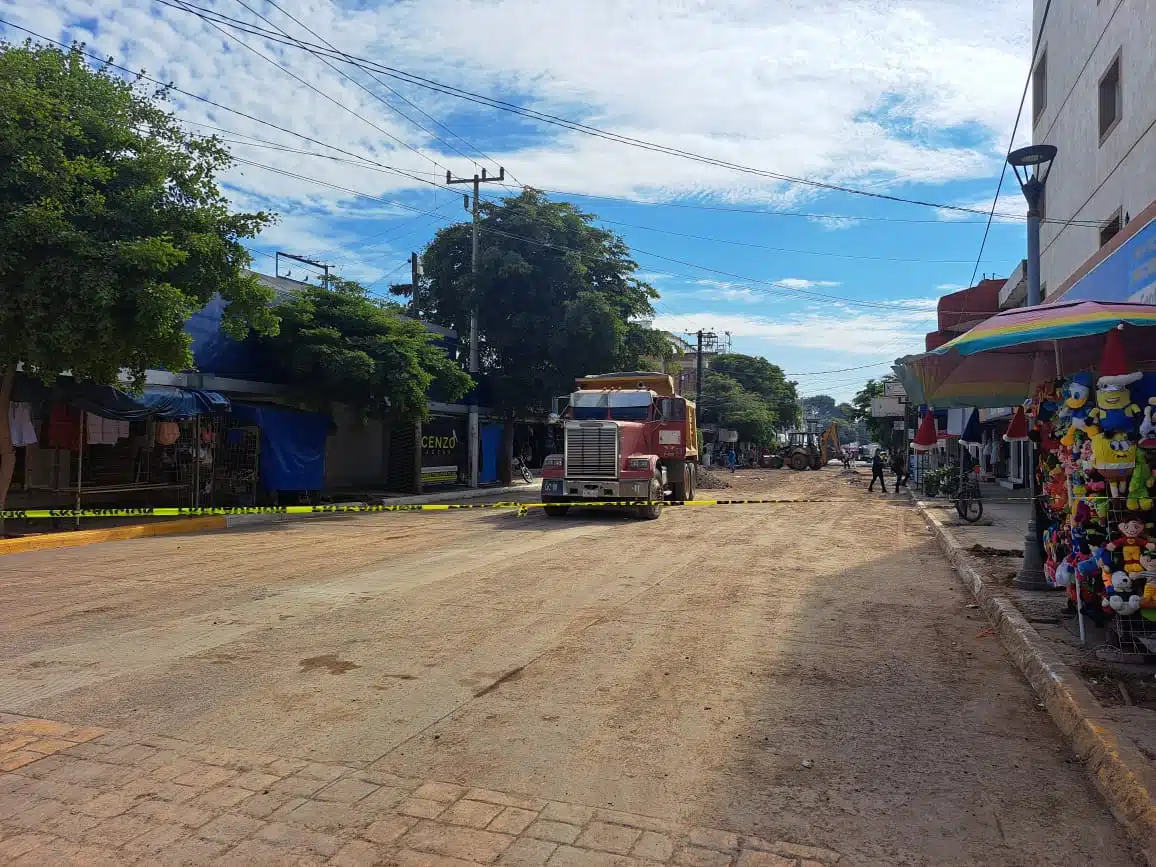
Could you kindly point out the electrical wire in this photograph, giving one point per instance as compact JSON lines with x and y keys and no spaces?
{"x":179,"y":4}
{"x":450,"y":90}
{"x":1011,"y":142}
{"x":348,"y":77}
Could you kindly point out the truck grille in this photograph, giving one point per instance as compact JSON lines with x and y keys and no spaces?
{"x":592,"y":452}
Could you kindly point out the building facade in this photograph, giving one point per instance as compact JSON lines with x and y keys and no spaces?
{"x":1093,"y":98}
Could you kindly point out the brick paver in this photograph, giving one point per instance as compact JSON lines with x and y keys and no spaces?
{"x":83,"y":795}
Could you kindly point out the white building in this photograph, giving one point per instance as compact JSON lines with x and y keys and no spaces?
{"x":1094,"y":98}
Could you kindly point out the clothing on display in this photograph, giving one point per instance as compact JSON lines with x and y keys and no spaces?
{"x":64,"y":428}
{"x":167,"y":433}
{"x":104,"y":431}
{"x":20,"y":424}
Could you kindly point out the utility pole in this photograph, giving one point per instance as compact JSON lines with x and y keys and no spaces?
{"x":476,"y":180}
{"x":414,"y":276}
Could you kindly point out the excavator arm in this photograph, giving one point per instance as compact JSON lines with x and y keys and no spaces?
{"x":829,"y":445}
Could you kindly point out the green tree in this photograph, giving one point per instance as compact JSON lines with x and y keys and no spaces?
{"x":726,"y":403}
{"x":112,"y":229}
{"x":339,"y":345}
{"x":557,"y":298}
{"x":767,"y":380}
{"x":876,"y":427}
{"x":820,"y":406}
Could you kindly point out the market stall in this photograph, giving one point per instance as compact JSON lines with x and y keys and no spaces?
{"x":1082,"y":377}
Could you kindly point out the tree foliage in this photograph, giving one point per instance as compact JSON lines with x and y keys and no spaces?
{"x":557,"y":298}
{"x":337,"y":344}
{"x":757,"y":375}
{"x":862,"y":403}
{"x":726,"y":403}
{"x":112,"y":228}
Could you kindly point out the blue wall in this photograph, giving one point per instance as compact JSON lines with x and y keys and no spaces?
{"x":1129,"y":274}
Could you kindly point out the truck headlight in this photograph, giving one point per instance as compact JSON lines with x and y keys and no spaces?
{"x":552,"y":462}
{"x":638,"y":463}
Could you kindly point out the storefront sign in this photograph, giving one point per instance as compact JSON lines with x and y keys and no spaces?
{"x":886,"y":407}
{"x":443,"y":451}
{"x":1129,"y":274}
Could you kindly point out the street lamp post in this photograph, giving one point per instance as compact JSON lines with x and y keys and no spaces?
{"x":1031,"y":166}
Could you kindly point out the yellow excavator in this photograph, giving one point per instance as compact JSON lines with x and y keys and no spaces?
{"x":805,"y":450}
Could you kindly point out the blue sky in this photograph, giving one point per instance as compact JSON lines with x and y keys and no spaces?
{"x":914,"y":98}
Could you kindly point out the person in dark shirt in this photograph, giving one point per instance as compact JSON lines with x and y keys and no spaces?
{"x":877,"y":472}
{"x":899,"y":467}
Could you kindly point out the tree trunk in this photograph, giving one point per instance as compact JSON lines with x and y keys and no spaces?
{"x":7,"y":451}
{"x":506,"y":461}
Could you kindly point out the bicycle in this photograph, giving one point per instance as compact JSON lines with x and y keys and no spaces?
{"x":969,"y":503}
{"x":520,"y":467}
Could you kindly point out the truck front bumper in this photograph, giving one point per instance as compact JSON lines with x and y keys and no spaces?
{"x":590,"y":490}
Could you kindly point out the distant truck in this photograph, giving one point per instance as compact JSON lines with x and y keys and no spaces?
{"x":628,"y":436}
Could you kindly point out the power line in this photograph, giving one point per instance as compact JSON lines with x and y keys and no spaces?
{"x":449,"y":90}
{"x":182,"y":6}
{"x":348,"y":77}
{"x":779,"y":249}
{"x":1010,"y":143}
{"x":369,"y":162}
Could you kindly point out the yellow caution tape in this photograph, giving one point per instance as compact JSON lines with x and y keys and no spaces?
{"x":520,"y":507}
{"x":182,"y":512}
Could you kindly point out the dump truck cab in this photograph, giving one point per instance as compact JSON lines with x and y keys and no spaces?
{"x":627,"y":436}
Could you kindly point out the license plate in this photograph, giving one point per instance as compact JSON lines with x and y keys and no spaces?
{"x":551,"y":486}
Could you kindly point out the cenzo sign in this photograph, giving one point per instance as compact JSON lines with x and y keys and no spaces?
{"x":443,"y":453}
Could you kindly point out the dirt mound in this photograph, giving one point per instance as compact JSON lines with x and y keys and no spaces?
{"x":708,"y":480}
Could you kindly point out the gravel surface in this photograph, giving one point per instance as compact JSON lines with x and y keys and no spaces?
{"x":805,"y":672}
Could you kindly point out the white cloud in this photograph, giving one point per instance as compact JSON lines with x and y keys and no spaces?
{"x":788,"y":86}
{"x":854,"y":331}
{"x":834,"y":224}
{"x":799,"y":283}
{"x":1011,"y":208}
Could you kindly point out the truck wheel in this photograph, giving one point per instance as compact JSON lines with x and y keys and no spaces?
{"x":556,"y":511}
{"x":652,"y":511}
{"x":799,"y":461}
{"x":692,"y":481}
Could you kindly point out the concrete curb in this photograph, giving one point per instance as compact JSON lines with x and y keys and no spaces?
{"x":420,"y":499}
{"x":49,"y":541}
{"x":1116,"y":765}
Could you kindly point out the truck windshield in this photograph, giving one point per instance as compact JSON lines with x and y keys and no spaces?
{"x":616,"y":405}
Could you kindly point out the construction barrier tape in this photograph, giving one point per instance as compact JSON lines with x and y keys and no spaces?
{"x":520,"y":507}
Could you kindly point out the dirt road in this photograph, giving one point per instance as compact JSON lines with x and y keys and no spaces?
{"x":802,"y":674}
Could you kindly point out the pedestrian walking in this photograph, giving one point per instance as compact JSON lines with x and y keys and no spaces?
{"x":732,"y":460}
{"x":877,"y":472}
{"x":899,"y":467}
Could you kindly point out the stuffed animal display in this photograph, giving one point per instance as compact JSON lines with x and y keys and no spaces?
{"x":1097,"y":479}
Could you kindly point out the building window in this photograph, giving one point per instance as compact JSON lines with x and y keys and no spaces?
{"x":1110,"y":99}
{"x":1110,"y":229}
{"x":1040,"y":86}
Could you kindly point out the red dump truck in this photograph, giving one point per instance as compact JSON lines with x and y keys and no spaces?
{"x":628,"y":436}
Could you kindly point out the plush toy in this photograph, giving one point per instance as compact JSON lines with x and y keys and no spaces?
{"x":1131,"y":542}
{"x":1148,"y":600}
{"x":1057,"y":488}
{"x":1148,"y":426}
{"x":1114,"y":457}
{"x":1140,"y":487}
{"x":1114,"y":409}
{"x":1120,"y":597}
{"x":1076,"y":394}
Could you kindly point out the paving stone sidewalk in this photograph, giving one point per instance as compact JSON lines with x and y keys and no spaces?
{"x":87,"y":796}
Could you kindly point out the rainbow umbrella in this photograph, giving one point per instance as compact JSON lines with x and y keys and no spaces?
{"x":998,"y":362}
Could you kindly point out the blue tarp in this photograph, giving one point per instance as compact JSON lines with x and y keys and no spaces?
{"x":110,"y":402}
{"x":292,"y":446}
{"x":492,"y":436}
